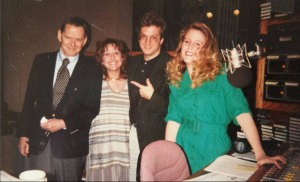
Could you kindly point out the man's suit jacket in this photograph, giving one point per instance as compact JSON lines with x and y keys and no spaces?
{"x":151,"y":113}
{"x":78,"y":106}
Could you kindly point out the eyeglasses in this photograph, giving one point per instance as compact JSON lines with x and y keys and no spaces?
{"x":153,"y":38}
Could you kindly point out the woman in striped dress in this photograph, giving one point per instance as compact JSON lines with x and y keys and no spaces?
{"x":108,"y":158}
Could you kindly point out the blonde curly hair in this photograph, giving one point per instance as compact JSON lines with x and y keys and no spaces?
{"x":206,"y":67}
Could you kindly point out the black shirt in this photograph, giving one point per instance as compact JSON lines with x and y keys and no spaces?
{"x":140,"y":75}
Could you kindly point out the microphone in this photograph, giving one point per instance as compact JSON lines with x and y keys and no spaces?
{"x":240,"y":74}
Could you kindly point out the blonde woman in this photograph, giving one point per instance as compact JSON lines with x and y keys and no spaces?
{"x":203,"y":103}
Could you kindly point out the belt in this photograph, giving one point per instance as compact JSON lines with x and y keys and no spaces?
{"x":199,"y":126}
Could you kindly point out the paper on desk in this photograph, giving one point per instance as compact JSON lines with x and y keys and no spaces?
{"x":231,"y":166}
{"x":215,"y":177}
{"x":248,"y":156}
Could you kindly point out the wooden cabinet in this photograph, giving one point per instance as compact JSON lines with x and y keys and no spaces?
{"x":259,"y":101}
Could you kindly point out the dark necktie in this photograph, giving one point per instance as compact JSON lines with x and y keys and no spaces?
{"x":61,"y":83}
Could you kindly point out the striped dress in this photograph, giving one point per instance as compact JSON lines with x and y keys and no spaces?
{"x":108,"y":158}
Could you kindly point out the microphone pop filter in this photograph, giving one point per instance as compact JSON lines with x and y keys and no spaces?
{"x":240,"y":78}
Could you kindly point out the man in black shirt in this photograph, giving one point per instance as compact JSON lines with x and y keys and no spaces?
{"x":148,"y":87}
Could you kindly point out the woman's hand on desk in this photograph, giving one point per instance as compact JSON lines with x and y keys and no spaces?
{"x":263,"y":159}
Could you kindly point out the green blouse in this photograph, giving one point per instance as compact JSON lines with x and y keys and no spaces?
{"x":204,"y":114}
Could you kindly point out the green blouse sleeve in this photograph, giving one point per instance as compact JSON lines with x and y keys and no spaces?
{"x":236,"y":102}
{"x":174,"y":113}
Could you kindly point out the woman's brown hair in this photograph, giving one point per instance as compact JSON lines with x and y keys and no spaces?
{"x":121,"y":46}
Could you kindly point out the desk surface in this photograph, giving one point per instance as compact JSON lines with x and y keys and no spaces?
{"x":257,"y":176}
{"x":259,"y":173}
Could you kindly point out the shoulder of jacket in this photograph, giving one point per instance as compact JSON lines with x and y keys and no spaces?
{"x":45,"y":56}
{"x":166,"y":56}
{"x":139,"y":56}
{"x":90,"y":65}
{"x":88,"y":60}
{"x":133,"y":59}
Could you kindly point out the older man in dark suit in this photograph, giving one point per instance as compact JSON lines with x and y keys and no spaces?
{"x":149,"y":90}
{"x":62,"y":98}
